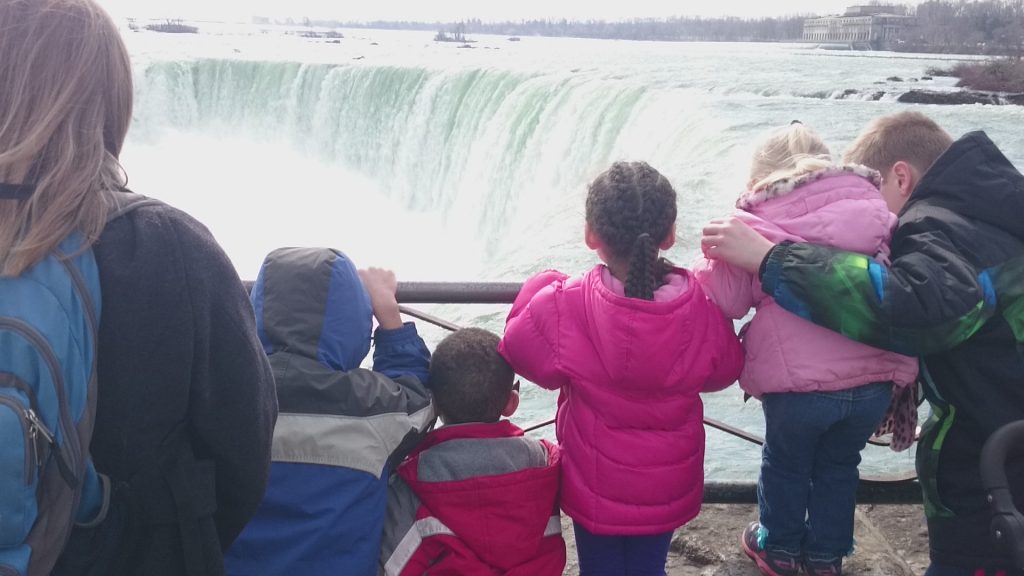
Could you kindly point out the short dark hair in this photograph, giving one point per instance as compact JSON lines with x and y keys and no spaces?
{"x":470,"y":381}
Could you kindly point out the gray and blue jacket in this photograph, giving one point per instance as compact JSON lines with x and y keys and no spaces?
{"x":341,"y":428}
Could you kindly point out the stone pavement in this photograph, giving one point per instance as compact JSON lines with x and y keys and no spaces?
{"x":890,"y":541}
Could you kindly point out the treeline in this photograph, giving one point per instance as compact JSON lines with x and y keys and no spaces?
{"x":979,"y":27}
{"x":788,"y":28}
{"x":960,"y":26}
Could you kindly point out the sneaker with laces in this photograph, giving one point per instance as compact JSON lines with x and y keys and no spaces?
{"x":828,"y":566}
{"x":769,"y":562}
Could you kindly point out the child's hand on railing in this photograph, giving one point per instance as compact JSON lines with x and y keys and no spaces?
{"x":381,"y":285}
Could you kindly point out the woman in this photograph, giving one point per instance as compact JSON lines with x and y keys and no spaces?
{"x":186,"y":405}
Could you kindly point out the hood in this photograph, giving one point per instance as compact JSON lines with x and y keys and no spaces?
{"x":839,"y":207}
{"x":496,"y":504}
{"x":310,"y":302}
{"x":629,"y":336}
{"x":974,"y":179}
{"x":785,"y":186}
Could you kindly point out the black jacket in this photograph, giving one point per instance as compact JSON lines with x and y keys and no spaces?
{"x":972,"y":198}
{"x":965,"y":216}
{"x":186,"y":403}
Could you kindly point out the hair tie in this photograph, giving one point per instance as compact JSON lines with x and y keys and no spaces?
{"x":795,"y":122}
{"x":16,"y":191}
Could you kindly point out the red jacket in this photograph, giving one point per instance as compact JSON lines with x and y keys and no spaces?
{"x":475,"y":499}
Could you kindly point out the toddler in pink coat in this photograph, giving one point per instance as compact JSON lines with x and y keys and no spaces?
{"x":630,"y":346}
{"x":823,"y":394}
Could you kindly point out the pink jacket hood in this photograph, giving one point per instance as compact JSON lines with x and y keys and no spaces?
{"x":629,"y":414}
{"x":839,"y":207}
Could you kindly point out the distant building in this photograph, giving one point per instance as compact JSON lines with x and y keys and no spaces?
{"x":873,"y":27}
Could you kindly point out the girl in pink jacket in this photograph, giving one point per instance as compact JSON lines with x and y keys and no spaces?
{"x":630,"y":345}
{"x":823,"y":395}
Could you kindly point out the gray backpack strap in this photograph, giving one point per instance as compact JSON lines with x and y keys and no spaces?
{"x":125,"y":202}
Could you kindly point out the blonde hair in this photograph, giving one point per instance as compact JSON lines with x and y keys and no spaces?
{"x":65,"y":106}
{"x":908,"y":136}
{"x":788,"y":152}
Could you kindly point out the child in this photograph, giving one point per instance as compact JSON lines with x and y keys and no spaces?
{"x":959,"y":205}
{"x":630,"y":345}
{"x":823,"y":395}
{"x":341,"y":427}
{"x":476,"y":497}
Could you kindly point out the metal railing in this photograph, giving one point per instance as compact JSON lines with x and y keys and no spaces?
{"x":895,"y":488}
{"x":901,"y":488}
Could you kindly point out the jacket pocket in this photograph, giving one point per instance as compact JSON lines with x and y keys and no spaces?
{"x":18,"y":464}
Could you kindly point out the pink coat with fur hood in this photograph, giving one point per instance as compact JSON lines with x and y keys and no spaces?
{"x":839,"y":207}
{"x":630,"y":417}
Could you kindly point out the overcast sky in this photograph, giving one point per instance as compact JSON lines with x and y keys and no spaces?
{"x":449,"y":10}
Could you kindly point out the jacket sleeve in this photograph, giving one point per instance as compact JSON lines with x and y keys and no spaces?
{"x":400,"y":543}
{"x":931,"y":299}
{"x":414,"y":546}
{"x":1008,"y":284}
{"x":401,"y":352}
{"x":401,"y":364}
{"x":727,"y":356}
{"x":232,"y":402}
{"x":530,"y":342}
{"x":730,"y":288}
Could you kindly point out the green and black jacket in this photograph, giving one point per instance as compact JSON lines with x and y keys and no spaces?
{"x":953,"y":295}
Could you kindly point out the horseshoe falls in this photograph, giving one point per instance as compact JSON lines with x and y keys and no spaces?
{"x":449,"y":163}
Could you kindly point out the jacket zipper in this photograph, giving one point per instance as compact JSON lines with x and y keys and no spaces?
{"x":38,"y":428}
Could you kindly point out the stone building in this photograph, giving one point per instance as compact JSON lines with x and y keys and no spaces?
{"x":863,"y":27}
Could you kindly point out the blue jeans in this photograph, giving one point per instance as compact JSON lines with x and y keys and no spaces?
{"x":808,"y":484}
{"x":621,"y":555}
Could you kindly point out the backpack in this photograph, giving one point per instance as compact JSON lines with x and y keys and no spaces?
{"x":49,"y":317}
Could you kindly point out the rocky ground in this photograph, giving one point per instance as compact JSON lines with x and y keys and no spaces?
{"x":891,"y":540}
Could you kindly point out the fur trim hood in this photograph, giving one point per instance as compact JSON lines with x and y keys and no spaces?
{"x":782,"y":187}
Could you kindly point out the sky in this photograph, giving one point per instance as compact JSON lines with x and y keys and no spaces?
{"x":454,"y":10}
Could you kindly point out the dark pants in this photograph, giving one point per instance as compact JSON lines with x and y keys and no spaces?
{"x":621,"y":555}
{"x":808,"y":484}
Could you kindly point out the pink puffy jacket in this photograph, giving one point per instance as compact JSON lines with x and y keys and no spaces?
{"x":839,"y":207}
{"x":630,"y":417}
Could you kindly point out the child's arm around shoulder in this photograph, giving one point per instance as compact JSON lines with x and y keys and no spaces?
{"x":530,"y":342}
{"x":398,"y":348}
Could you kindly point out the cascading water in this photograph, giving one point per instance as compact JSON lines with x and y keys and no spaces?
{"x":491,"y":151}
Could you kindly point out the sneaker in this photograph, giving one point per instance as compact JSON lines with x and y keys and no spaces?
{"x":824,"y":566}
{"x":769,"y":562}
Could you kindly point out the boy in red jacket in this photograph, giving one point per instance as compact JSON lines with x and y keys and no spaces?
{"x":476,"y":497}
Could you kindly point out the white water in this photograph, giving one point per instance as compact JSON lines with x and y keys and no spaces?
{"x":460,"y":164}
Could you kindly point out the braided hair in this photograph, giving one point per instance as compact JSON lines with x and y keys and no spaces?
{"x":632,"y":207}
